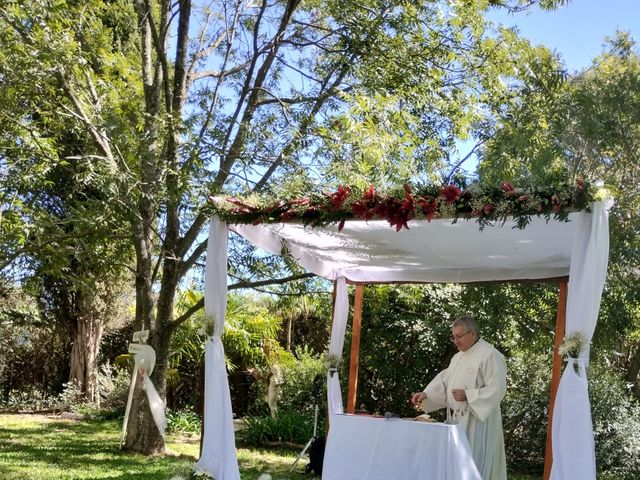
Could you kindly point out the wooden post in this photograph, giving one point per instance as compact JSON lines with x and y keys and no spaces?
{"x":561,"y":317}
{"x":355,"y":349}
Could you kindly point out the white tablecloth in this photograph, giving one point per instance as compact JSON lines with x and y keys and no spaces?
{"x":367,"y":448}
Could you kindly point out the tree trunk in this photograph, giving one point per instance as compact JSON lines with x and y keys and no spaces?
{"x":142,"y":434}
{"x":289,"y":334}
{"x":87,"y":335}
{"x":632,"y":373}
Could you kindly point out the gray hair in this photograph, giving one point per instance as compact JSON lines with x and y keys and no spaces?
{"x":468,"y":322}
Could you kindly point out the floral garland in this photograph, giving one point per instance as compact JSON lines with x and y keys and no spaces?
{"x":486,"y":203}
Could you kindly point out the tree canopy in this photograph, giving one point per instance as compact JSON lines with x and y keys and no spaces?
{"x":121,"y":117}
{"x":587,"y":125}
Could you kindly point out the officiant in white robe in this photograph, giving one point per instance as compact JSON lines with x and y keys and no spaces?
{"x":471,"y":389}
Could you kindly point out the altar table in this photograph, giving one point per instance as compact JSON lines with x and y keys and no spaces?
{"x":369,"y":448}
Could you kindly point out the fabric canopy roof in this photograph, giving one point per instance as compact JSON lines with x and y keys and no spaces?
{"x":437,"y":251}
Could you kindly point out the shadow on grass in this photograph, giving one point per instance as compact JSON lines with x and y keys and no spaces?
{"x":48,"y":449}
{"x":44,"y":448}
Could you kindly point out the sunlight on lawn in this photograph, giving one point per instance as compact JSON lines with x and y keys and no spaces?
{"x":37,"y":447}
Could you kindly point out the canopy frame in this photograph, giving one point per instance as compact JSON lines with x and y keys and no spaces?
{"x":587,"y":250}
{"x":354,"y":358}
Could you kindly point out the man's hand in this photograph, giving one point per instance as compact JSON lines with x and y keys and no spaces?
{"x":418,"y":397}
{"x":459,"y":395}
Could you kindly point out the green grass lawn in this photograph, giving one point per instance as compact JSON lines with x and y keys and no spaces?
{"x":35,"y":447}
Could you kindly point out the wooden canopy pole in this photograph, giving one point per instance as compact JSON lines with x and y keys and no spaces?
{"x":561,"y":317}
{"x":355,"y":349}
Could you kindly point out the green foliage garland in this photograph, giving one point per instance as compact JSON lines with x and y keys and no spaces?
{"x":488,"y":204}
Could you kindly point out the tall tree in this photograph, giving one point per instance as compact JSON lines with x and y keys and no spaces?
{"x":182,"y":100}
{"x":58,"y":231}
{"x":587,"y":126}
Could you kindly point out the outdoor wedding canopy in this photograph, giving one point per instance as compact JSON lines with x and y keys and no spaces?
{"x":427,"y":250}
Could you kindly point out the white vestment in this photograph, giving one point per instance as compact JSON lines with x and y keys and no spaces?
{"x":482,"y":372}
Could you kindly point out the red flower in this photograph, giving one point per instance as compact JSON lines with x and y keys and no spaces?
{"x":555,"y":203}
{"x":450,"y":193}
{"x":339,"y":197}
{"x":509,"y":190}
{"x":300,"y":201}
{"x":580,"y":184}
{"x":311,"y":211}
{"x":287,"y":215}
{"x":407,"y":203}
{"x":276,"y":206}
{"x":429,"y":205}
{"x":399,"y":212}
{"x":288,"y":208}
{"x":243,"y":207}
{"x":523,"y":198}
{"x":488,"y":208}
{"x":369,"y":206}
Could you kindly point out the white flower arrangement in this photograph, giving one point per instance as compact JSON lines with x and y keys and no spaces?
{"x":208,"y":326}
{"x":572,"y":345}
{"x":332,"y":361}
{"x":197,"y":474}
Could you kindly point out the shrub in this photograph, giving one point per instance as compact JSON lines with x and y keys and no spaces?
{"x":615,"y":416}
{"x":113,"y":384}
{"x":525,"y":411}
{"x":28,"y":399}
{"x":291,"y":427}
{"x":305,"y":383}
{"x":33,"y":358}
{"x":70,"y":397}
{"x":184,"y":422}
{"x":404,"y":344}
{"x":616,"y":424}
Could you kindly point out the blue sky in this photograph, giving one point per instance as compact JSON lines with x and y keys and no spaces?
{"x":578,"y":30}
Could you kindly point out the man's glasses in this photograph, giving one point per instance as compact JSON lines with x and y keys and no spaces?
{"x":459,"y":337}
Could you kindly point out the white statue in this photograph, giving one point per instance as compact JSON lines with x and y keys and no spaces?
{"x":275,"y":381}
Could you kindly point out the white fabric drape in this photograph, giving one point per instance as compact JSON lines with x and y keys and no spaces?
{"x":218,"y":443}
{"x":155,"y":404}
{"x":340,"y":316}
{"x":573,"y":445}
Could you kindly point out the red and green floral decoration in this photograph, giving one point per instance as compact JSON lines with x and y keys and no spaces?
{"x":488,"y":204}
